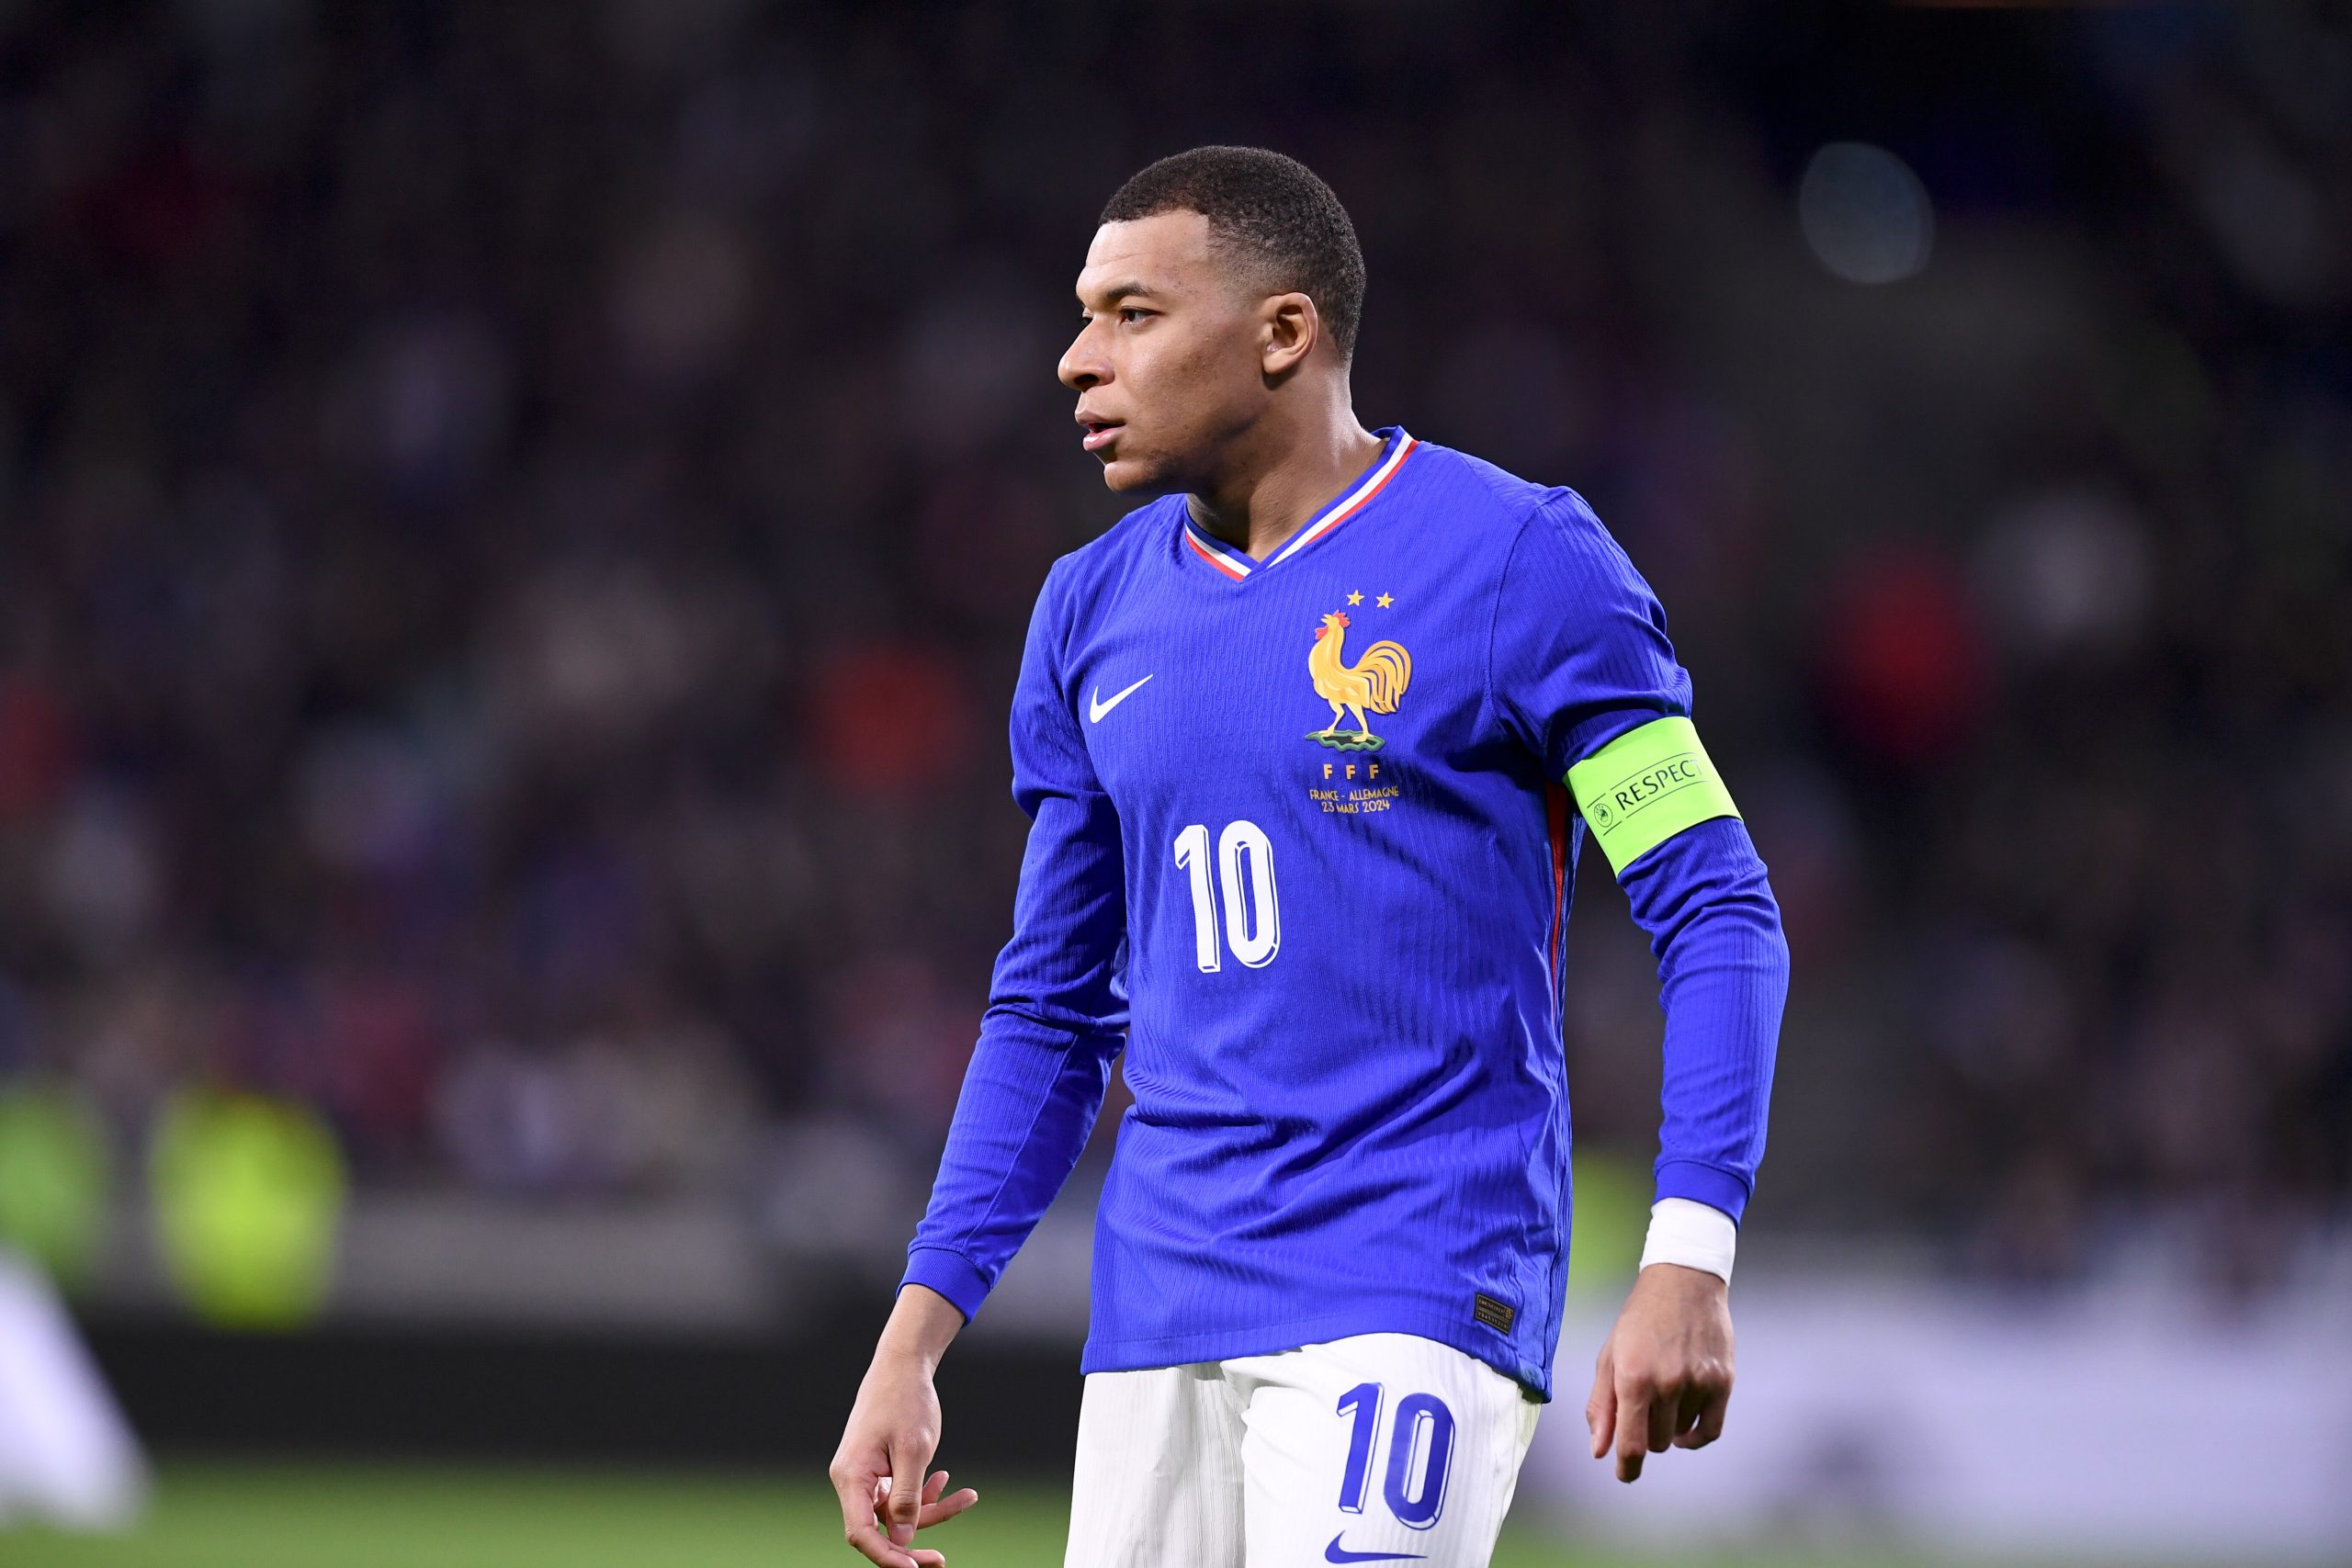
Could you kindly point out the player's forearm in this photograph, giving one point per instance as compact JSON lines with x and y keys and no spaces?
{"x":1723,"y":977}
{"x":1030,"y":1098}
{"x":1043,"y":1062}
{"x":921,"y":1326}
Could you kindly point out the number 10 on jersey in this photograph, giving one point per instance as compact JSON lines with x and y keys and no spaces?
{"x":1245,"y":870}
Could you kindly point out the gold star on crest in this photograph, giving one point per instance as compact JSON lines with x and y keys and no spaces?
{"x":1385,"y":600}
{"x":1355,"y":598}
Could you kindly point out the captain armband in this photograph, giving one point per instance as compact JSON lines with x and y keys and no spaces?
{"x":1646,"y":786}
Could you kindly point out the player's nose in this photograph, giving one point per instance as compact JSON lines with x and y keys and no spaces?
{"x":1082,"y":365}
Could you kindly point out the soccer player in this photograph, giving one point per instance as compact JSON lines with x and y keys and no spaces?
{"x":1310,"y":744}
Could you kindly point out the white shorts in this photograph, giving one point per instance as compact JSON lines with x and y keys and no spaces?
{"x":1378,"y":1448}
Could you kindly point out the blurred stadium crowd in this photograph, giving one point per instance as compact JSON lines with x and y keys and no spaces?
{"x":516,"y":525}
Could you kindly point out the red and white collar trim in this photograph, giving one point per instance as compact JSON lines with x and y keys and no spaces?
{"x":1237,"y":566}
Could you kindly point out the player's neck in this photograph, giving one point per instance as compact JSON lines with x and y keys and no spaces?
{"x":1283,"y":475}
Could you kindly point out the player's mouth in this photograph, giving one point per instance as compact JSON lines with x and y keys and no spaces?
{"x":1099,"y":432}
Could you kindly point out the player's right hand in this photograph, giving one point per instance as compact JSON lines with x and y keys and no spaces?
{"x":878,"y":1471}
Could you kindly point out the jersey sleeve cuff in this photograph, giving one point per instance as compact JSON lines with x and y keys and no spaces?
{"x":1703,"y":1184}
{"x":1693,"y":1235}
{"x":951,"y":1274}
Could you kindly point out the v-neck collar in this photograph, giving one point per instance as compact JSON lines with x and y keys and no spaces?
{"x":1215,"y":553}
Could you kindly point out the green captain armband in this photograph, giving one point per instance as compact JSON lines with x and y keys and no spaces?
{"x":1646,"y":786}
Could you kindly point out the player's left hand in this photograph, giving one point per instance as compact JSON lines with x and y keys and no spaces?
{"x":1664,"y":1377}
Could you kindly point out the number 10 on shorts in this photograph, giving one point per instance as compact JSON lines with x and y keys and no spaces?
{"x":1420,"y":1452}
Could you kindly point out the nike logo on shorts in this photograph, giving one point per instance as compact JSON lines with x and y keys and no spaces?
{"x":1096,"y":707}
{"x":1335,"y":1552}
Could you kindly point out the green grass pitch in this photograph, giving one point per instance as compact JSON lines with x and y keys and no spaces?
{"x":286,"y":1517}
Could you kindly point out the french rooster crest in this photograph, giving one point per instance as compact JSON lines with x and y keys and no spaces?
{"x":1373,"y":684}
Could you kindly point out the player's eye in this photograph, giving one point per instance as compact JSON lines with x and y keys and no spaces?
{"x":1131,"y":312}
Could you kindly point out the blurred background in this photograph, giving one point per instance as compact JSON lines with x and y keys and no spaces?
{"x":516,"y":523}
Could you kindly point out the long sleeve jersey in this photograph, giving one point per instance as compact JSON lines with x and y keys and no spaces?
{"x":1303,"y":835}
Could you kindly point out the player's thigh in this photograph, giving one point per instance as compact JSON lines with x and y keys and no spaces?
{"x":1378,"y":1447}
{"x":1158,"y":1481}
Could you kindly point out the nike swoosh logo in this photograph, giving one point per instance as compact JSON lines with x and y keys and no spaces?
{"x":1335,"y":1552}
{"x":1096,"y":707}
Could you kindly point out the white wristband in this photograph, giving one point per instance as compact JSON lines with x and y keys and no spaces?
{"x":1694,"y":1234}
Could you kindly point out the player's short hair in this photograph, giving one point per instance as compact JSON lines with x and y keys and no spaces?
{"x":1270,"y":209}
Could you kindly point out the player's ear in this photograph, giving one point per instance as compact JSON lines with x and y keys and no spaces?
{"x":1291,"y":330}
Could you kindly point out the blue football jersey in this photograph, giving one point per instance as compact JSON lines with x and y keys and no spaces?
{"x":1302,"y":843}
